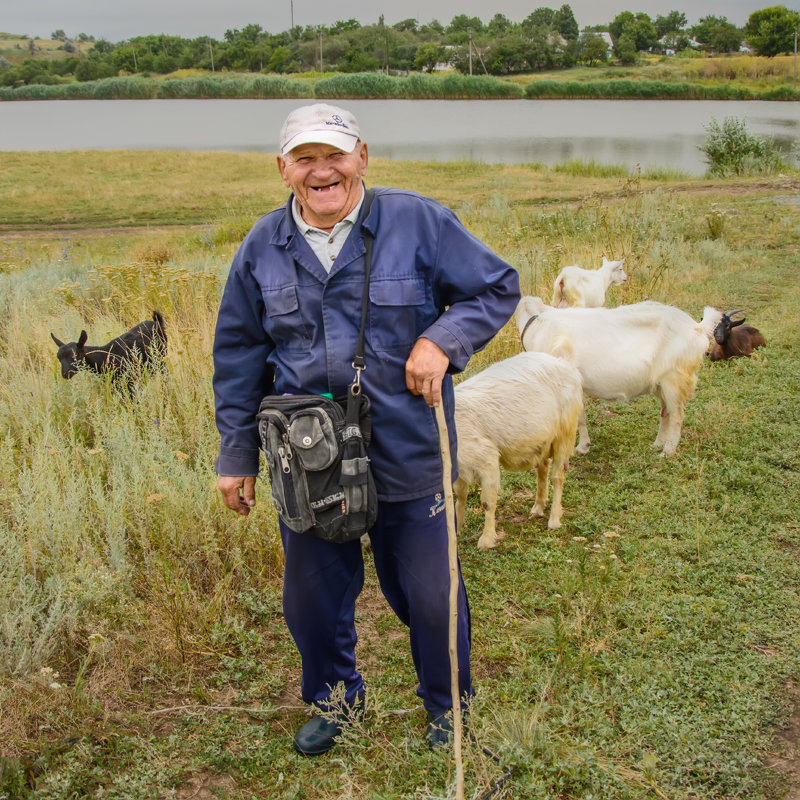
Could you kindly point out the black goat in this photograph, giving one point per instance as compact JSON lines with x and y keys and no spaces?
{"x":732,"y":338}
{"x":143,"y":346}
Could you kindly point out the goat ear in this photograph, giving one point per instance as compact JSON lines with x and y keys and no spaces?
{"x":57,"y":341}
{"x":82,"y":338}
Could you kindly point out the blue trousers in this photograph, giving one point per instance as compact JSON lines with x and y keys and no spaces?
{"x":322,"y":581}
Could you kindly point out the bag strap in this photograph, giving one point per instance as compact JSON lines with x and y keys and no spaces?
{"x":359,"y":359}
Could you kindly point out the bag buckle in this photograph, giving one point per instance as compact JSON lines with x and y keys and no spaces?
{"x":359,"y":366}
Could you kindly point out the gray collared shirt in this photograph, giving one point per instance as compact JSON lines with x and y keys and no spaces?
{"x":326,"y":245}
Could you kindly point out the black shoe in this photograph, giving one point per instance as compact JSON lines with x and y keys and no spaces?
{"x":440,"y":729}
{"x":317,"y":736}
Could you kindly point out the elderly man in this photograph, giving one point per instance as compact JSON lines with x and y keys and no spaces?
{"x":288,"y":324}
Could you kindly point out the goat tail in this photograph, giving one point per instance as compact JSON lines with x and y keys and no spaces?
{"x":711,"y":318}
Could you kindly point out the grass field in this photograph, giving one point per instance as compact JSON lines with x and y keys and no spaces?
{"x":647,"y":649}
{"x":739,"y":71}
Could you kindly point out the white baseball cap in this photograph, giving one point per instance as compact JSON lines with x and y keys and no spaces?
{"x":320,"y":124}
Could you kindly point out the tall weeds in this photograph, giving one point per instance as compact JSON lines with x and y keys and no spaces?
{"x":107,"y":497}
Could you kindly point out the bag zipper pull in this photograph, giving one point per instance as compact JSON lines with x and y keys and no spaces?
{"x":285,"y":455}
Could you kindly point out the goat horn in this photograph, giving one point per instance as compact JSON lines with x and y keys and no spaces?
{"x":731,"y":313}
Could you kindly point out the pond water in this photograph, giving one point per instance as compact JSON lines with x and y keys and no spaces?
{"x":651,"y":133}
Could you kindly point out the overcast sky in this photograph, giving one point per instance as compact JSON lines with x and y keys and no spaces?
{"x":119,"y":20}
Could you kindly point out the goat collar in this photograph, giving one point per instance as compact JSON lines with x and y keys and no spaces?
{"x":525,"y":328}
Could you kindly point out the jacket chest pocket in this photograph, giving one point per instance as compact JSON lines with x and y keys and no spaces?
{"x":397,"y":313}
{"x":283,"y":319}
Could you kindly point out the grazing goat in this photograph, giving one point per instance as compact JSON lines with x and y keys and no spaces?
{"x":732,"y":339}
{"x":143,"y":346}
{"x":586,"y":288}
{"x":624,"y":352}
{"x":519,"y":413}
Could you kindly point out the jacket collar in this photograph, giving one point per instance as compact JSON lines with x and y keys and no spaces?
{"x":288,"y":236}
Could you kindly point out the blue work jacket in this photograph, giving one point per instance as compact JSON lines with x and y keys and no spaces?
{"x":286,"y":325}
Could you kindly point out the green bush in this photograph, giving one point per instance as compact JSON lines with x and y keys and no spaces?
{"x":732,"y":150}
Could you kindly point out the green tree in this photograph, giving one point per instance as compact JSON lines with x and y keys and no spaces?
{"x":637,"y":27}
{"x":499,"y":25}
{"x":619,"y":23}
{"x":625,"y":49}
{"x":340,"y":26}
{"x":58,"y":36}
{"x":770,"y":31}
{"x":461,"y":23}
{"x":564,"y":22}
{"x":539,"y":51}
{"x":433,"y":27}
{"x":94,"y":67}
{"x":540,"y":18}
{"x":674,"y":22}
{"x":406,"y":25}
{"x":280,"y":60}
{"x":717,"y":34}
{"x":592,"y":48}
{"x":507,"y":55}
{"x":428,"y":55}
{"x":102,"y":46}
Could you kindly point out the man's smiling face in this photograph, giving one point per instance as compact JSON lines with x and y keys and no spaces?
{"x":325,"y":180}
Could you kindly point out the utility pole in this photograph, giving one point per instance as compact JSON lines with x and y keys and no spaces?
{"x":211,"y":53}
{"x":291,"y":6}
{"x":133,"y":50}
{"x":320,"y":51}
{"x":795,"y":56}
{"x":469,"y":31}
{"x":386,"y":37}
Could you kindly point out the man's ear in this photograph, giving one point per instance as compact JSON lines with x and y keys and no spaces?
{"x":282,"y":170}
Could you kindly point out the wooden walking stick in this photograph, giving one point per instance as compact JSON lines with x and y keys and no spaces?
{"x":452,"y":552}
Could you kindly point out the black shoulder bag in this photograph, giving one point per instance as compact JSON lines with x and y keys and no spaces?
{"x":316,"y":449}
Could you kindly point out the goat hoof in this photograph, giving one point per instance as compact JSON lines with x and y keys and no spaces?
{"x":583,"y":449}
{"x":554,"y":524}
{"x":487,"y":542}
{"x":537,"y":511}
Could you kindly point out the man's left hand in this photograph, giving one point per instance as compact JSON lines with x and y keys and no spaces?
{"x":425,"y":369}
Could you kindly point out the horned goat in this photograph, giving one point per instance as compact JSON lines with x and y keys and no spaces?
{"x":733,"y":339}
{"x":586,"y":288}
{"x":624,"y":352}
{"x":144,"y":345}
{"x":519,"y":413}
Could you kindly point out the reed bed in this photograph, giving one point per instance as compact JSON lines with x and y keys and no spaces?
{"x":628,"y":89}
{"x":420,"y":87}
{"x":450,"y":86}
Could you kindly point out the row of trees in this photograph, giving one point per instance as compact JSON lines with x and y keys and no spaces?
{"x":546,"y":39}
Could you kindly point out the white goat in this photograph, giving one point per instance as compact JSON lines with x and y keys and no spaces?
{"x":624,"y":352}
{"x":586,"y":288}
{"x":519,"y":413}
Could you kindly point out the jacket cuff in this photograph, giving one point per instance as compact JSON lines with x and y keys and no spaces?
{"x":237,"y":462}
{"x":451,"y":339}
